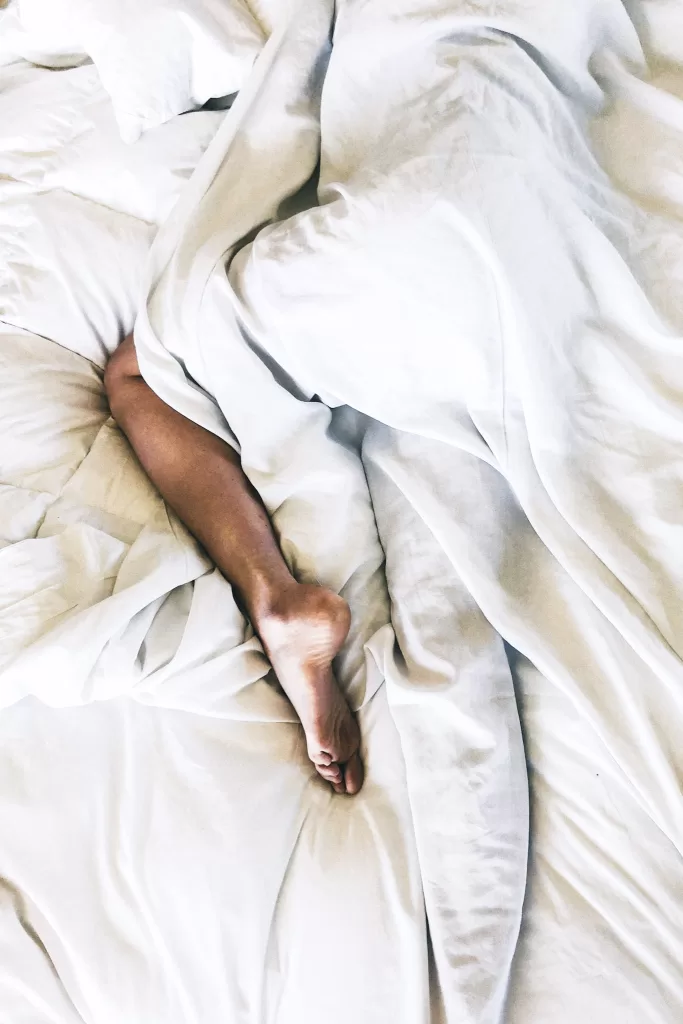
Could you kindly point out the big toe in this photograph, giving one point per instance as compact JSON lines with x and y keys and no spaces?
{"x":353,"y":774}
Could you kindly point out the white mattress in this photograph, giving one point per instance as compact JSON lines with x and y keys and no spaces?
{"x":167,"y":853}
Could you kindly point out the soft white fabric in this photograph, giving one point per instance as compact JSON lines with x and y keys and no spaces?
{"x":194,"y":867}
{"x":79,"y":208}
{"x":155,"y":59}
{"x":195,"y":862}
{"x":471,"y":281}
{"x":16,"y":44}
{"x":104,"y":592}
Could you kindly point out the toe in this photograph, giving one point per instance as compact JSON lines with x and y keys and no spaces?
{"x":338,"y":785}
{"x":334,"y":776}
{"x":321,"y":758}
{"x":353,"y":774}
{"x":332,"y":773}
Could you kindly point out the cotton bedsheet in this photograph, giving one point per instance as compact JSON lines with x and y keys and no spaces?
{"x":195,"y":861}
{"x":471,"y":280}
{"x":152,"y":861}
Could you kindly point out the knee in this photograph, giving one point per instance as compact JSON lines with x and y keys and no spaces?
{"x":120,"y":373}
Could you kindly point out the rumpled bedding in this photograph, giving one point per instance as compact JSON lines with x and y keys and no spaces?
{"x":452,"y":375}
{"x":167,"y":853}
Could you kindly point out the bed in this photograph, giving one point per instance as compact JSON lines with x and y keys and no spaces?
{"x":167,"y":852}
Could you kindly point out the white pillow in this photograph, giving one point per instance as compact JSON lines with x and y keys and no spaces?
{"x":155,"y":58}
{"x":79,"y":208}
{"x":17,"y":44}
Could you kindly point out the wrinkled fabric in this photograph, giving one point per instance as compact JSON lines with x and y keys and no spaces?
{"x":501,"y":516}
{"x":469,"y":279}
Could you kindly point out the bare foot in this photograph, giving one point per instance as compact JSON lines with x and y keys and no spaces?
{"x":301,"y":633}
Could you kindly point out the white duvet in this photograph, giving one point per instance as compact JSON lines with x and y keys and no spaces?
{"x":473,"y":282}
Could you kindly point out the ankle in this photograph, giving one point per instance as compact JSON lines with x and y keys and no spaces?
{"x":269,"y":602}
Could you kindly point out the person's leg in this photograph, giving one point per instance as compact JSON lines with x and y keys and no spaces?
{"x":302,"y":627}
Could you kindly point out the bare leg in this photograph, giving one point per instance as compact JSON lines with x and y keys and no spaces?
{"x":302,"y":627}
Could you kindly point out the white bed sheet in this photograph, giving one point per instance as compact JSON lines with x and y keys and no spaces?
{"x":189,"y":813}
{"x":157,"y":865}
{"x":546,"y":376}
